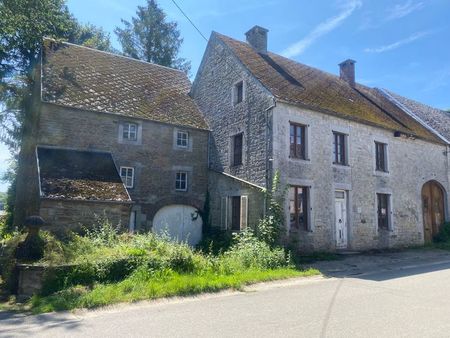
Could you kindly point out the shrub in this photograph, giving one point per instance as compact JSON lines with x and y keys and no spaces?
{"x":250,"y":252}
{"x":444,"y":234}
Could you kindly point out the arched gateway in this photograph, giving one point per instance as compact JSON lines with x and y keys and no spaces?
{"x":433,"y":209}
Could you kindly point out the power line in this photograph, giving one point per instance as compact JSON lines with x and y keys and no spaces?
{"x":185,"y":15}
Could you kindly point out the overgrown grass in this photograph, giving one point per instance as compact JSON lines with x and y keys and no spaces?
{"x":140,"y":286}
{"x":104,"y":267}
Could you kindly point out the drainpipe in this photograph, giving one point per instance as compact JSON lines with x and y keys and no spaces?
{"x":269,"y":137}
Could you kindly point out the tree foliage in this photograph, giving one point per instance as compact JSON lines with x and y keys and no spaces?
{"x":23,"y":25}
{"x":151,"y":38}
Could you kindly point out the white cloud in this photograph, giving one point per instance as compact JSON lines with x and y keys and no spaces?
{"x":322,"y":29}
{"x":395,"y":45}
{"x":399,"y":11}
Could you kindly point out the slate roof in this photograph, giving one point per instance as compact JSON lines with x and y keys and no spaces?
{"x":436,"y":118}
{"x":80,"y":175}
{"x":312,"y":88}
{"x":89,"y":79}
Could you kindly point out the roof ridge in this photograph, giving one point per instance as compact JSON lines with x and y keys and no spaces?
{"x":114,"y":54}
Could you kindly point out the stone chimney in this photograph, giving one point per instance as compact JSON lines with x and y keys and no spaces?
{"x":347,"y":71}
{"x":257,"y":38}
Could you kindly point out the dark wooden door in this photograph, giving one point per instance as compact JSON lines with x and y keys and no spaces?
{"x":433,"y":209}
{"x":236,"y":213}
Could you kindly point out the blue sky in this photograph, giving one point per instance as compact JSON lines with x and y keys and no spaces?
{"x":401,"y":45}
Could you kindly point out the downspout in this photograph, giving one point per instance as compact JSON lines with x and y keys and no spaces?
{"x":269,"y":138}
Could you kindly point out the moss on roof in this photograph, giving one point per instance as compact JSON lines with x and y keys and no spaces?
{"x":89,"y":79}
{"x":312,"y":88}
{"x":79,"y":175}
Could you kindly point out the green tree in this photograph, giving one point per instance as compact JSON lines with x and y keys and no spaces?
{"x":151,"y":38}
{"x":23,"y":24}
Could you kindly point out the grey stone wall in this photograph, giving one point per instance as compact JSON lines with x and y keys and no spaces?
{"x":68,"y":215}
{"x":221,"y":186}
{"x":212,"y":90}
{"x":411,"y":164}
{"x":154,"y":156}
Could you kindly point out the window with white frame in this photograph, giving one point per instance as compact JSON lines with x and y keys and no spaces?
{"x":340,"y":155}
{"x":182,"y":139}
{"x":181,"y":181}
{"x":129,"y":131}
{"x":127,"y":175}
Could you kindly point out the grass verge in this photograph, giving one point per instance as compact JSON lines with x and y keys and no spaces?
{"x":141,"y":286}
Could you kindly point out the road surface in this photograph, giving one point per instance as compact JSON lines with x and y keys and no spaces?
{"x":399,"y":301}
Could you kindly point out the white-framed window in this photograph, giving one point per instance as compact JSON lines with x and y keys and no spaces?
{"x":182,"y":139}
{"x":181,"y":181}
{"x":129,"y":131}
{"x":127,"y":175}
{"x":340,"y":148}
{"x":234,"y":212}
{"x":238,"y":92}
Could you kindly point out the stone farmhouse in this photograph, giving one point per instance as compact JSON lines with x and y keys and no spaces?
{"x":363,"y":167}
{"x":116,"y":136}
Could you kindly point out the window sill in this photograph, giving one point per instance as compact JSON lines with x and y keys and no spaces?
{"x":299,"y":159}
{"x":343,"y":166}
{"x":381,"y":173}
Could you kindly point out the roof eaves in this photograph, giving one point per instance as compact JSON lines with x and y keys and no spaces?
{"x":411,"y":114}
{"x":241,"y":180}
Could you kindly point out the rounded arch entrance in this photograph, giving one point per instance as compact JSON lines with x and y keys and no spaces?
{"x":433,"y":206}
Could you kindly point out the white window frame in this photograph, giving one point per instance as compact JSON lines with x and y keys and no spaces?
{"x":186,"y":134}
{"x":126,"y":131}
{"x":126,"y":178}
{"x":179,"y":180}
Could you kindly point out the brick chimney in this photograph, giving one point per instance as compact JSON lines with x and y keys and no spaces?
{"x":347,"y":71}
{"x":257,"y":38}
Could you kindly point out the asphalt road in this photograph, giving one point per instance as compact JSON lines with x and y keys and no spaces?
{"x":411,"y":301}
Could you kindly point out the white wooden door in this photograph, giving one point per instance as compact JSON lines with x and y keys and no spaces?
{"x":341,"y":219}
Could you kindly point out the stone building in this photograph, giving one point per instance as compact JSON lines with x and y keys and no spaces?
{"x":359,"y":167}
{"x":113,"y":135}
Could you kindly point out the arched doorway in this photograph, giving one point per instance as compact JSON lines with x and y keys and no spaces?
{"x":433,"y":209}
{"x":182,"y":223}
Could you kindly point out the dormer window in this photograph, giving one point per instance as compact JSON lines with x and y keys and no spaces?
{"x":129,"y":131}
{"x":238,"y":92}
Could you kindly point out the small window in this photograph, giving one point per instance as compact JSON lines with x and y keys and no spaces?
{"x":383,"y":211}
{"x":298,"y":207}
{"x":181,"y":181}
{"x":339,"y":148}
{"x":237,"y":149}
{"x":298,"y":141}
{"x":127,"y":175}
{"x":182,"y":139}
{"x":238,"y":92}
{"x":381,"y":157}
{"x":130,"y":131}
